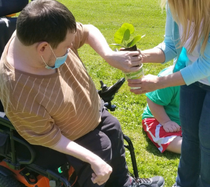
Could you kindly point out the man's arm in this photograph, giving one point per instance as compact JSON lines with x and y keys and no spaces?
{"x":123,"y":60}
{"x":101,"y":169}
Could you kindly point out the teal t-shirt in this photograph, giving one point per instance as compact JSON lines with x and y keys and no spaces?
{"x":167,"y":97}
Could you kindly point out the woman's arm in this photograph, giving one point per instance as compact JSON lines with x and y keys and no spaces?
{"x":199,"y":69}
{"x":150,"y":83}
{"x":154,"y":55}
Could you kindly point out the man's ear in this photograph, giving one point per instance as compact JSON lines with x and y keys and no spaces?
{"x":42,"y":47}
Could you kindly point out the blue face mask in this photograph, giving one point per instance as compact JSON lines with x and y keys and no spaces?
{"x":59,"y":60}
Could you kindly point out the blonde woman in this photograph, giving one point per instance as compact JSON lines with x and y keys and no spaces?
{"x":187,"y":25}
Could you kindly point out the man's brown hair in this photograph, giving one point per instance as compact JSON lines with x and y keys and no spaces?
{"x":44,"y":20}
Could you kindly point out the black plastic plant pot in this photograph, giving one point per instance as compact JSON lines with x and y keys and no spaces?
{"x":133,"y":48}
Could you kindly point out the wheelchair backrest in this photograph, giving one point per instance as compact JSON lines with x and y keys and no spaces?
{"x":11,"y":6}
{"x":7,"y":24}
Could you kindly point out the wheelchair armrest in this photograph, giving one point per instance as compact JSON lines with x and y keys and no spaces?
{"x":30,"y":149}
{"x":107,"y":93}
{"x":4,"y":122}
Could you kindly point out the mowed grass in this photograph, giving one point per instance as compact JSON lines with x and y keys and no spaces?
{"x":147,"y":18}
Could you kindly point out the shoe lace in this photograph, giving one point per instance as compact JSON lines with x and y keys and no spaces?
{"x":139,"y":181}
{"x":143,"y":180}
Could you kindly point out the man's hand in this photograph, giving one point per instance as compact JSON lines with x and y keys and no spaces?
{"x":127,"y":61}
{"x":171,"y":126}
{"x":123,"y":60}
{"x":102,"y":171}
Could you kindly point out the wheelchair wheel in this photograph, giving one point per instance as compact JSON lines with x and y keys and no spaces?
{"x":9,"y":181}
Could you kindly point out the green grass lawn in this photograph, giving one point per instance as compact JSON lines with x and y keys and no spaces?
{"x":147,"y":18}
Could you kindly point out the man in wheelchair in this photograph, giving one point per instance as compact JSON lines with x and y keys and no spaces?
{"x":51,"y":100}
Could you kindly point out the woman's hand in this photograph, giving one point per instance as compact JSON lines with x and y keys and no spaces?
{"x":146,"y":84}
{"x":150,"y":83}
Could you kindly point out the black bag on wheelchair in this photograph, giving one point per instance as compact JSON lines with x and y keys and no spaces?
{"x":11,"y":6}
{"x":7,"y":24}
{"x":4,"y":143}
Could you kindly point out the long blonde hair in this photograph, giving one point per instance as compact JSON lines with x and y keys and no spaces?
{"x":190,"y":13}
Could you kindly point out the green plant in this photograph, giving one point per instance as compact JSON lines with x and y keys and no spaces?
{"x":123,"y":34}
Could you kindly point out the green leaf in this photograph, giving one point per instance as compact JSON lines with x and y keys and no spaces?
{"x":134,"y":41}
{"x":118,"y":36}
{"x":121,"y":34}
{"x":128,"y":26}
{"x":126,"y":36}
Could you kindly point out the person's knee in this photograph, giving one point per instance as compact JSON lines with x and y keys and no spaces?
{"x":117,"y":126}
{"x":110,"y":122}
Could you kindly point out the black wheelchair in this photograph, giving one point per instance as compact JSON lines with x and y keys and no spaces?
{"x":22,"y":164}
